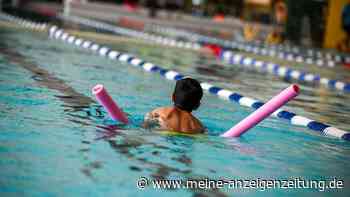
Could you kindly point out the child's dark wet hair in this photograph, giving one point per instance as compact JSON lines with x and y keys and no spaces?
{"x":187,"y":94}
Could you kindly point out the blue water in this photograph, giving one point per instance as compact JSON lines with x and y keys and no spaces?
{"x":55,"y":140}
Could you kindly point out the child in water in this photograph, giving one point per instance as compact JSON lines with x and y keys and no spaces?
{"x":186,"y":98}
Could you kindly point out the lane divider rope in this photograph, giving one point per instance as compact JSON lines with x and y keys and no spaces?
{"x":128,"y":32}
{"x":226,"y":55}
{"x":312,"y":52}
{"x":193,"y":45}
{"x":282,"y":71}
{"x":25,"y":23}
{"x":310,"y":56}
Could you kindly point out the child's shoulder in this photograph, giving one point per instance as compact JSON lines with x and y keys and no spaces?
{"x":163,"y":110}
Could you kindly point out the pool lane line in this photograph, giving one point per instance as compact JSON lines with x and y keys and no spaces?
{"x":42,"y":27}
{"x":10,"y":25}
{"x":282,"y":71}
{"x":316,"y":53}
{"x":328,"y":59}
{"x":132,"y":33}
{"x":104,"y":51}
{"x":227,"y":56}
{"x":156,"y":38}
{"x":110,"y":38}
{"x":23,"y":22}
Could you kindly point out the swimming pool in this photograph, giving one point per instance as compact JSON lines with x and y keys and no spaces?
{"x":55,"y":140}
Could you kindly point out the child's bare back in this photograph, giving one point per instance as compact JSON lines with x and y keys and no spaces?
{"x":186,"y":98}
{"x":175,"y":119}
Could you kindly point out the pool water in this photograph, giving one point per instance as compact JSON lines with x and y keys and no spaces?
{"x":55,"y":140}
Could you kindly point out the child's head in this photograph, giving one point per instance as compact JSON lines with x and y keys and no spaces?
{"x":187,"y":94}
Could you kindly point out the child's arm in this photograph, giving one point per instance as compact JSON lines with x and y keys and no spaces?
{"x":151,"y":120}
{"x":201,"y":127}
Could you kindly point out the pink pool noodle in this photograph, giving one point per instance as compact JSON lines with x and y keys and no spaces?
{"x":107,"y":102}
{"x":263,"y":112}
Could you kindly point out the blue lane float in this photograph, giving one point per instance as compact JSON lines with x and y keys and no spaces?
{"x":294,"y":119}
{"x":282,"y":71}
